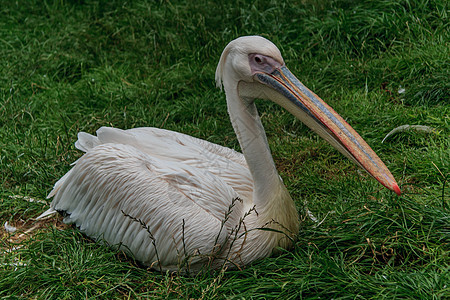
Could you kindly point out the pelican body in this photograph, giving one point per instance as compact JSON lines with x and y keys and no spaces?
{"x":177,"y":202}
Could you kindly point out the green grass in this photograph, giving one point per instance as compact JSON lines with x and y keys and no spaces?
{"x":70,"y":66}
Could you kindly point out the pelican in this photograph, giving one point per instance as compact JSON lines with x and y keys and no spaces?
{"x":173,"y":201}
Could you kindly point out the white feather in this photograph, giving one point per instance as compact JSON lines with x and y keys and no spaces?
{"x":113,"y":179}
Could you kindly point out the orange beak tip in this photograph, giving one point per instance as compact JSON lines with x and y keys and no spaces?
{"x":396,"y":189}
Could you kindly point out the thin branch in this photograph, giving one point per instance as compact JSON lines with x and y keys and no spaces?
{"x":152,"y":237}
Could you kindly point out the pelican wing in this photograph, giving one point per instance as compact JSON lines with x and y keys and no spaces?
{"x":182,"y":206}
{"x":173,"y":146}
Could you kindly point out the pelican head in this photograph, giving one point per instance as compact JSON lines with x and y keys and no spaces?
{"x":252,"y":67}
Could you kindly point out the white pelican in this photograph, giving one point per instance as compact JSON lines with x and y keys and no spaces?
{"x":175,"y":201}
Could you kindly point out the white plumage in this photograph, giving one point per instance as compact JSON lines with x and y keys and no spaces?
{"x":164,"y":179}
{"x":201,"y":203}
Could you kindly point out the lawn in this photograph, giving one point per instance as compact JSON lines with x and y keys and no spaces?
{"x":70,"y":66}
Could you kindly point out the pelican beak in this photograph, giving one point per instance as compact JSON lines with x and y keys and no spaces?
{"x":290,"y":93}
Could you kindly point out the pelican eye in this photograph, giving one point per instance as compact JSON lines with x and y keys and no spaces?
{"x":262,"y":63}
